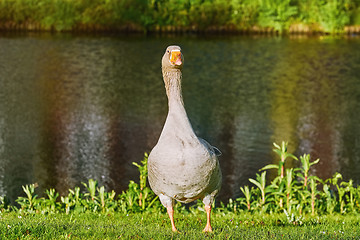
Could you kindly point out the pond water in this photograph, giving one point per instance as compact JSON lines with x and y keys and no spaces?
{"x":78,"y":107}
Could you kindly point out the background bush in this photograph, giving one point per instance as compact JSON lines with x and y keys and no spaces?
{"x":330,"y":16}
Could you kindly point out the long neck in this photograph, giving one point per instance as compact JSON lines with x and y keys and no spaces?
{"x":177,"y":116}
{"x":172,"y":79}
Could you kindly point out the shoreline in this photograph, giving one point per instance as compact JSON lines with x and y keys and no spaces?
{"x":295,"y":29}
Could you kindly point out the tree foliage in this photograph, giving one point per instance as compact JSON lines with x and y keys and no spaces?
{"x":330,"y":16}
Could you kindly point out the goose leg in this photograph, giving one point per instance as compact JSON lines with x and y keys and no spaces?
{"x":170,"y":212}
{"x":208,"y":222}
{"x":169,"y":203}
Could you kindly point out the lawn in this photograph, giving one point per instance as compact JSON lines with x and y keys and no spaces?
{"x":157,"y":226}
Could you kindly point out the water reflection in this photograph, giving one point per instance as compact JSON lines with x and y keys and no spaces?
{"x":74,"y":108}
{"x":91,"y":105}
{"x":309,"y":109}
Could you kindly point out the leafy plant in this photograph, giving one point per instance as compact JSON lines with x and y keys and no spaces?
{"x":330,"y":201}
{"x":276,"y":14}
{"x":350,"y":197}
{"x":142,"y":168}
{"x":244,"y":13}
{"x":260,"y":182}
{"x":282,"y":152}
{"x":247,"y":193}
{"x":290,"y":189}
{"x":30,"y":202}
{"x":305,"y":168}
{"x":314,"y":193}
{"x":107,"y":200}
{"x":73,"y":202}
{"x":333,"y":15}
{"x":51,"y":203}
{"x":138,"y":196}
{"x":4,"y":203}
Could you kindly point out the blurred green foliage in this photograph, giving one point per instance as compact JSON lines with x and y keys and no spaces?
{"x":330,"y":16}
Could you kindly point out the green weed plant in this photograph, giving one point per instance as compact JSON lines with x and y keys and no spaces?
{"x":294,"y":192}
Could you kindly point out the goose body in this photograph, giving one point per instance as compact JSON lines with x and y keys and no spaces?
{"x":181,"y":166}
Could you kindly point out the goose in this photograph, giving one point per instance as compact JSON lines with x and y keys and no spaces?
{"x":181,"y":166}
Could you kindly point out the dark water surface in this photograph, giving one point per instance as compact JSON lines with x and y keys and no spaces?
{"x":80,"y":107}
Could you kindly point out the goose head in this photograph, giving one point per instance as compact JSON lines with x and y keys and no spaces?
{"x":172,"y":59}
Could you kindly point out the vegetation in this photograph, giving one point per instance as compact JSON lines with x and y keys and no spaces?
{"x":323,"y":208}
{"x":156,"y":226}
{"x":294,"y":191}
{"x":329,"y":16}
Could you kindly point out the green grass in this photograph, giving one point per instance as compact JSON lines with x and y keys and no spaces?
{"x":156,"y":225}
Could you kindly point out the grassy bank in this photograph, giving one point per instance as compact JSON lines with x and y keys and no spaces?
{"x":293,"y":205}
{"x":156,"y":226}
{"x":289,"y":16}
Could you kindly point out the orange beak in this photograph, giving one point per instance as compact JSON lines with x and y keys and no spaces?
{"x":175,"y":57}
